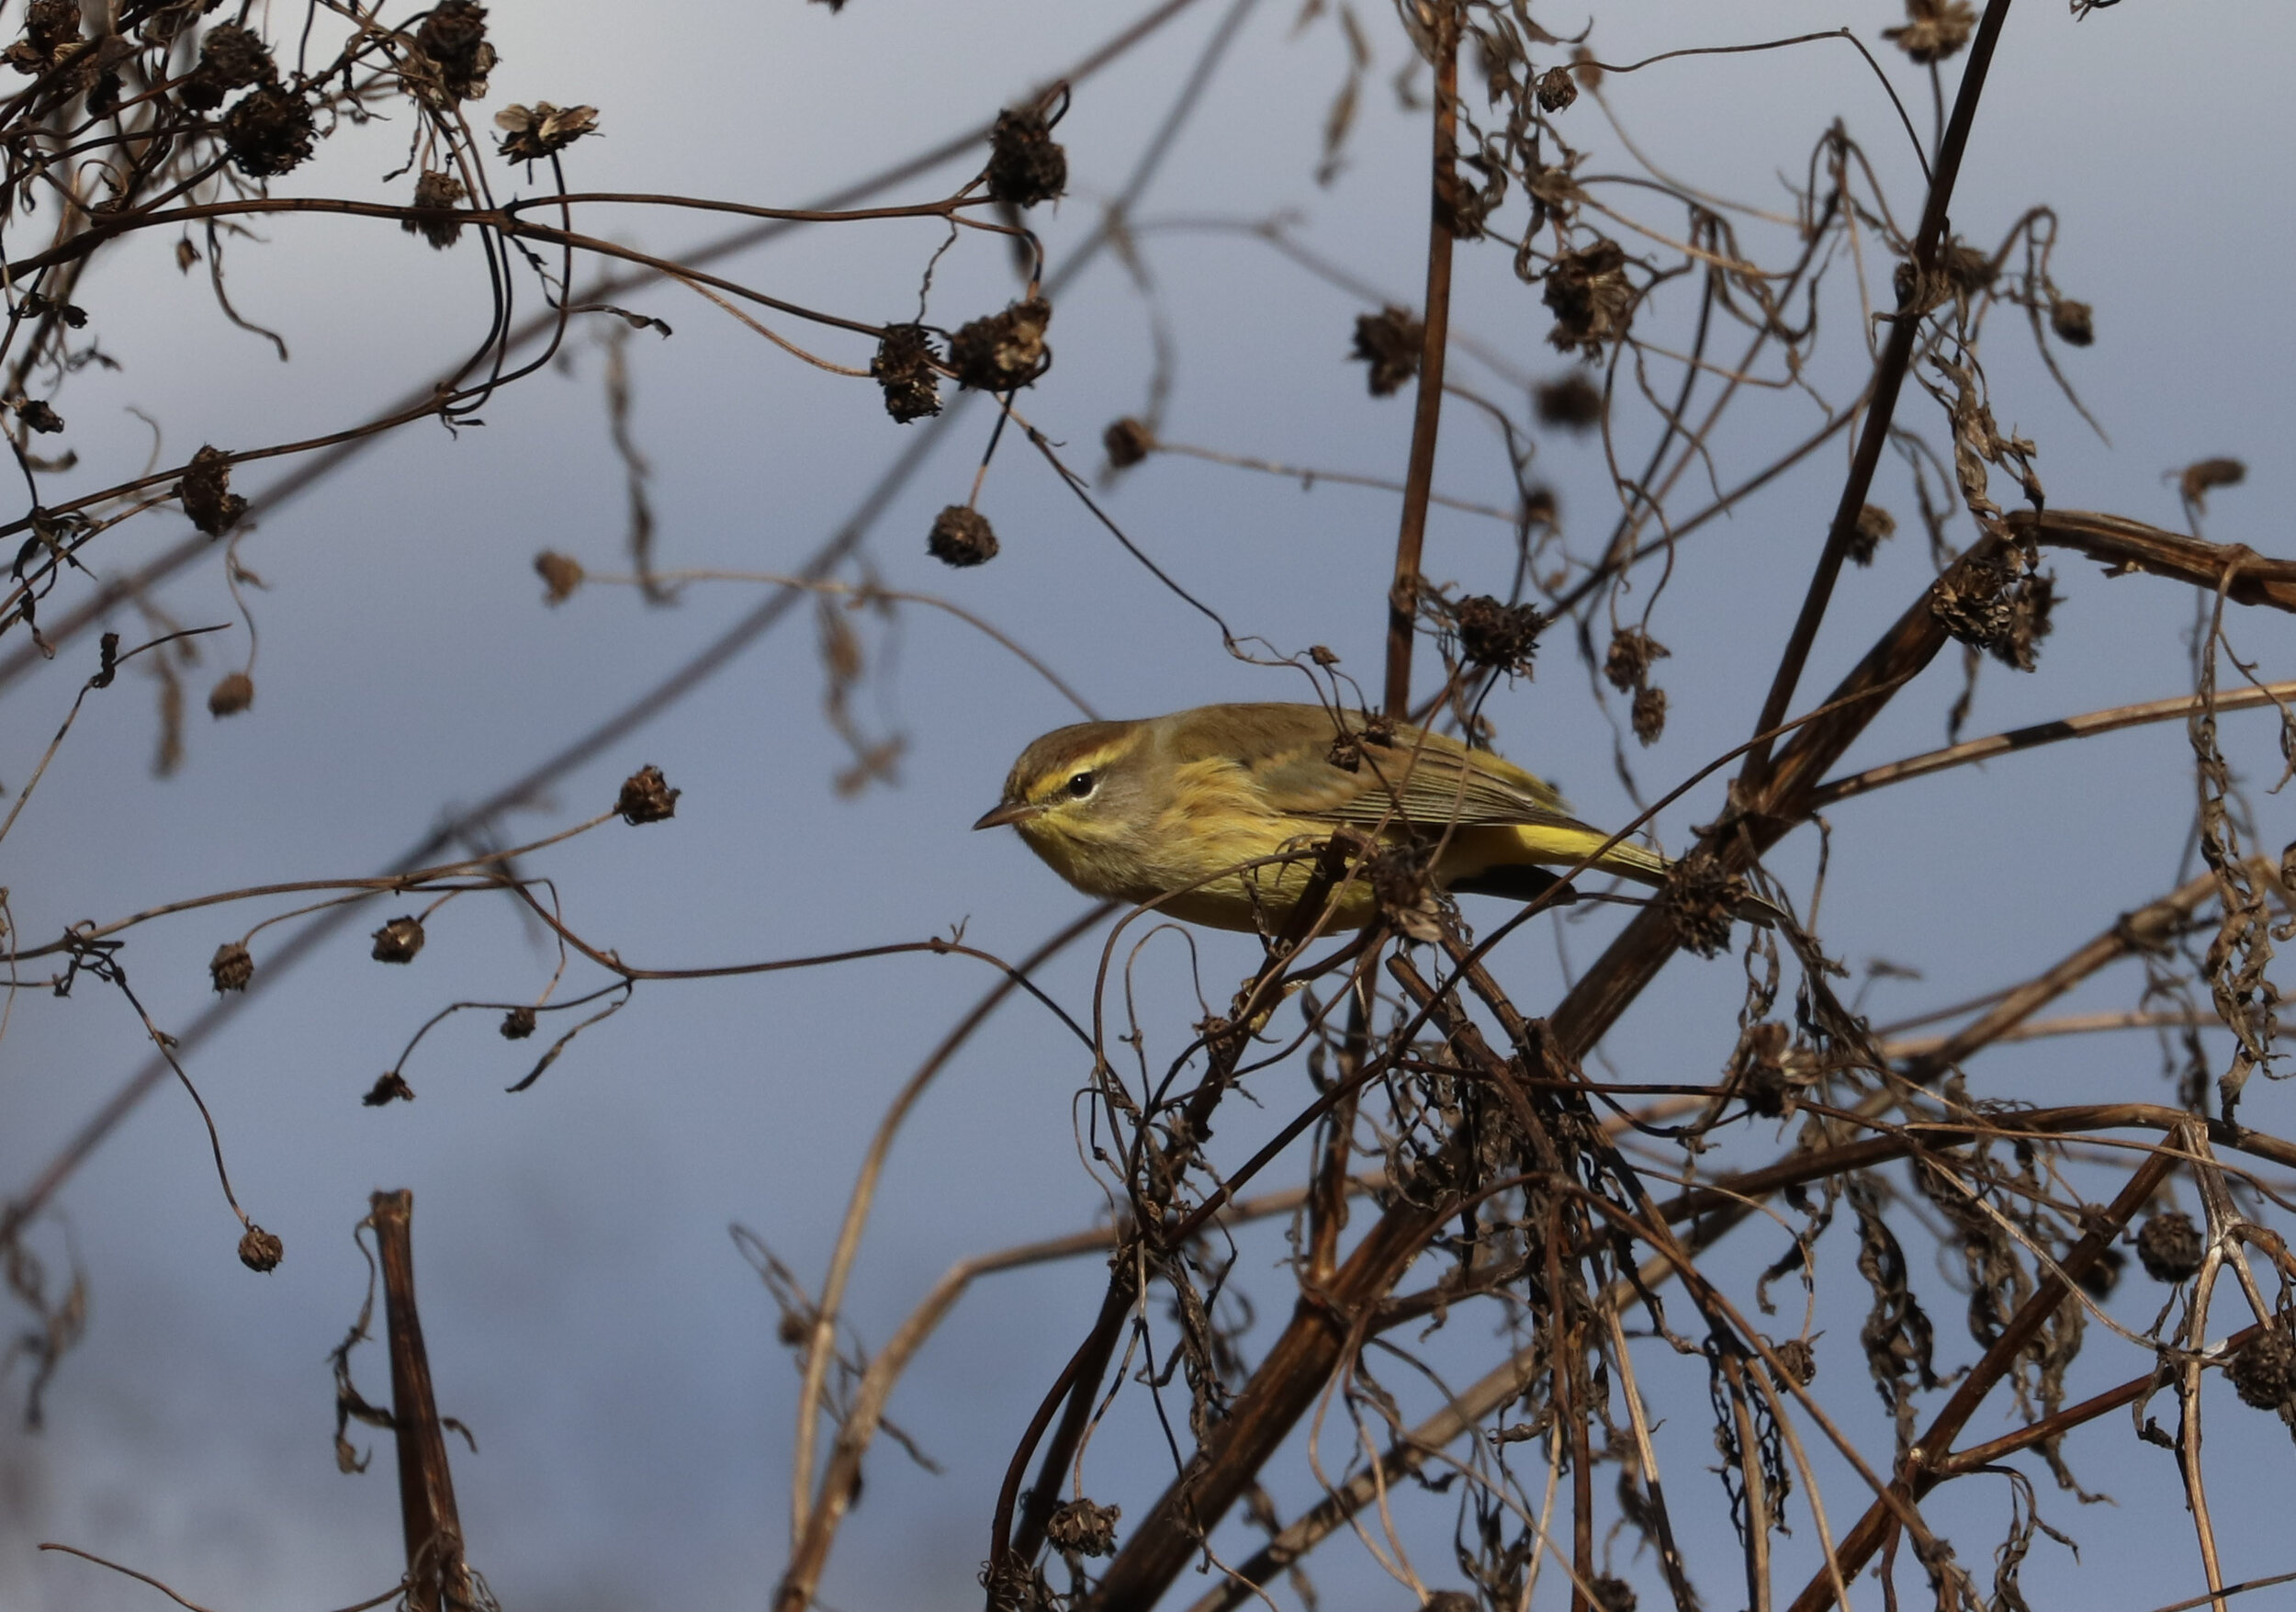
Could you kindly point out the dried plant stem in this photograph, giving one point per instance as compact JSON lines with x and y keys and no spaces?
{"x":1889,"y":374}
{"x":1402,"y":601}
{"x":2132,"y":545}
{"x":1918,"y":1476}
{"x":823,"y":1344}
{"x":2039,"y":734}
{"x":437,"y":1577}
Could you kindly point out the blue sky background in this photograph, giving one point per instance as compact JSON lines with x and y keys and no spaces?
{"x":587,"y":1314}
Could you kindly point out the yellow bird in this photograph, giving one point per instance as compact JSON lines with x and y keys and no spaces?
{"x":1191,"y":807}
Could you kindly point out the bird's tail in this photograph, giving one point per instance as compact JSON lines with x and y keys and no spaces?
{"x":1518,"y":869}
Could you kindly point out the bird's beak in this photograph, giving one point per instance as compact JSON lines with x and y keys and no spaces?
{"x":1011,"y":811}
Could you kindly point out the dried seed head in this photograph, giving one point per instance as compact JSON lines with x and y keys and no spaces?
{"x":2264,"y":1372}
{"x":389,"y":1087}
{"x":1757,"y":1069}
{"x":1557,"y":90}
{"x":530,"y":133}
{"x":230,"y":58}
{"x":1649,"y":716}
{"x":268,"y":132}
{"x":518,"y":1024}
{"x":453,"y":41}
{"x":1085,"y":1529}
{"x":1572,"y":403}
{"x":961,"y":537}
{"x":399,"y":940}
{"x":38,"y":415}
{"x":1397,"y":876}
{"x":560,"y":574}
{"x":51,"y":28}
{"x":1390,"y":342}
{"x":2103,"y":1274}
{"x":1585,"y":68}
{"x":231,"y":696}
{"x":2168,"y":1246}
{"x":1128,"y":441}
{"x":260,"y":1251}
{"x":230,"y":968}
{"x":2075,"y":322}
{"x":206,"y":492}
{"x":436,"y":189}
{"x":904,"y":369}
{"x":1026,"y":164}
{"x":646,"y":797}
{"x":1002,"y":351}
{"x":1591,"y":297}
{"x":1627,"y":664}
{"x":1495,"y":634}
{"x":1874,"y":527}
{"x":1988,"y":605}
{"x":1702,"y":897}
{"x":1541,"y":509}
{"x":1613,"y":1594}
{"x":1966,"y":268}
{"x":1797,"y":1362}
{"x":2204,"y":476}
{"x":1326,"y":657}
{"x":1934,"y":30}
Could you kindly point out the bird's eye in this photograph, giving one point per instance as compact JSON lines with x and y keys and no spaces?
{"x":1082,"y":784}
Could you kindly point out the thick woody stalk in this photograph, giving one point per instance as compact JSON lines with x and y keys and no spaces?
{"x":1402,"y":598}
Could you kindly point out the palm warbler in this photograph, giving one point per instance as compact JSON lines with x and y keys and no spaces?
{"x":1221,"y":810}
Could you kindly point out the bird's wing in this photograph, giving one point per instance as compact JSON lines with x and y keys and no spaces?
{"x":1428,"y":784}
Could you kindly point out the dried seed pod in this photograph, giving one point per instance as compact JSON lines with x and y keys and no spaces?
{"x":389,"y":1087}
{"x":530,"y":133}
{"x":1757,"y":1071}
{"x":1002,"y":351}
{"x":1797,"y":1362}
{"x":1613,"y":1594}
{"x":233,"y":694}
{"x":1495,"y":634}
{"x":961,"y":537}
{"x":436,"y":189}
{"x":230,"y":58}
{"x":1966,"y":269}
{"x":1128,"y":441}
{"x":518,"y":1024}
{"x":1648,"y":715}
{"x":646,"y":797}
{"x":1874,"y":527}
{"x":2075,"y":322}
{"x":1026,"y":164}
{"x":1390,"y":343}
{"x":560,"y":574}
{"x":2264,"y":1372}
{"x":1557,"y":90}
{"x":2169,"y":1245}
{"x":1591,"y":297}
{"x":51,"y":29}
{"x":1572,"y":403}
{"x":2204,"y":476}
{"x":1934,"y":30}
{"x":453,"y":42}
{"x":261,"y":1251}
{"x":1082,"y":1527}
{"x":2103,"y":1274}
{"x":230,"y":968}
{"x":206,"y":492}
{"x":399,"y":940}
{"x":268,"y":132}
{"x":1627,"y":665}
{"x":904,"y":369}
{"x":1988,"y":605}
{"x":37,"y":414}
{"x":1702,"y":897}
